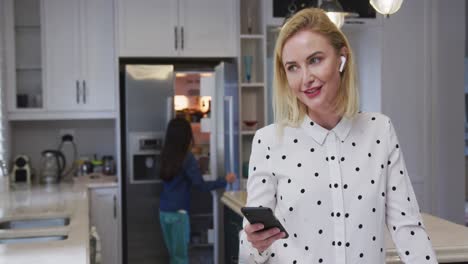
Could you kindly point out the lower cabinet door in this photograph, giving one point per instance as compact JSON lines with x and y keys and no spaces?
{"x":232,"y":227}
{"x":104,"y":216}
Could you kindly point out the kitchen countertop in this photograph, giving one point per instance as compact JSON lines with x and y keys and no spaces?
{"x":450,"y":240}
{"x":96,"y":180}
{"x":61,"y":200}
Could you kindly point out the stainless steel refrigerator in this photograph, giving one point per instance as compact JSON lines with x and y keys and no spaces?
{"x":147,"y":104}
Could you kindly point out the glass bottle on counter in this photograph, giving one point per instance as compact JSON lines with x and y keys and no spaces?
{"x":108,"y":165}
{"x":97,"y":164}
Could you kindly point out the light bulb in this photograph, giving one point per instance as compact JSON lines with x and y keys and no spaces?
{"x":180,"y":102}
{"x":386,"y":7}
{"x":337,"y":18}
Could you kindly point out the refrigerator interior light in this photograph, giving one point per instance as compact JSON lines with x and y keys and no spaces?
{"x":205,"y":103}
{"x":206,"y":74}
{"x":181,"y":74}
{"x":180,"y":102}
{"x":146,"y":72}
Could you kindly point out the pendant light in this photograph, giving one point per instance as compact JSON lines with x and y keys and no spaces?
{"x":333,"y":9}
{"x":335,"y":12}
{"x":386,"y":7}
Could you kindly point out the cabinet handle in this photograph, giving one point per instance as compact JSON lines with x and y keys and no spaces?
{"x":84,"y":91}
{"x":77,"y":92}
{"x":182,"y":36}
{"x":175,"y":37}
{"x":115,"y":207}
{"x":229,"y":100}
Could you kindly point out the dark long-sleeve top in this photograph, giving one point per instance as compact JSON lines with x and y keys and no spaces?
{"x":176,"y":193}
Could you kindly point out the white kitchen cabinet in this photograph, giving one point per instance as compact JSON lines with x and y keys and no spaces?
{"x":148,"y":28}
{"x":22,"y":27}
{"x":177,"y":28}
{"x":62,"y":54}
{"x":61,"y":61}
{"x":208,"y":28}
{"x":79,"y":55}
{"x":104,"y":217}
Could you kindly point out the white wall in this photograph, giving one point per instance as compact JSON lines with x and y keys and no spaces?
{"x":2,"y":68}
{"x":422,"y":91}
{"x":366,"y":43}
{"x":404,"y":87}
{"x":392,"y":70}
{"x":448,"y":114}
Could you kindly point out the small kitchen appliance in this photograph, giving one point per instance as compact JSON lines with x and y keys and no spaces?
{"x":21,"y":171}
{"x":52,"y":166}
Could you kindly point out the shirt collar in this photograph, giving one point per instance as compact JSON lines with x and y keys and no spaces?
{"x":319,"y":133}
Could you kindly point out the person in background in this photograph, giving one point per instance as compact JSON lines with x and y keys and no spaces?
{"x":180,"y":171}
{"x":333,"y":176}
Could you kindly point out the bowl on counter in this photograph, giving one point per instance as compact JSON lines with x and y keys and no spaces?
{"x":250,"y":124}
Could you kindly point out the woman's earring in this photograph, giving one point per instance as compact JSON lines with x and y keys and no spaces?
{"x":343,"y":61}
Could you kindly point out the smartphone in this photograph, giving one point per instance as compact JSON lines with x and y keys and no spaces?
{"x":263,"y":215}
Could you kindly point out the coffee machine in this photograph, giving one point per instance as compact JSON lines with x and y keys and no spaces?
{"x":21,"y":171}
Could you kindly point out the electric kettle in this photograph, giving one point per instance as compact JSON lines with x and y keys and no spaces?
{"x":52,"y":166}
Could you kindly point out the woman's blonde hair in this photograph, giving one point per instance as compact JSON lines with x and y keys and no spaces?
{"x":288,"y":110}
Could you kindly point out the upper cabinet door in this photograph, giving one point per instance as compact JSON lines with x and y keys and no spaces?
{"x":209,"y":28}
{"x":148,"y":28}
{"x":62,"y":54}
{"x":98,"y":53}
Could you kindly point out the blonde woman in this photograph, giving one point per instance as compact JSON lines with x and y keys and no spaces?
{"x":333,"y":176}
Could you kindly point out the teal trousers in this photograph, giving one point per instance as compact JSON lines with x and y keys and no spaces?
{"x":176,"y":232}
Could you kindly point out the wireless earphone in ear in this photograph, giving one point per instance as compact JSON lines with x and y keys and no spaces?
{"x":343,"y":61}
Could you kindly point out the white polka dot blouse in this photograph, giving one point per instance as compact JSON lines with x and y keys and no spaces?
{"x":335,"y":191}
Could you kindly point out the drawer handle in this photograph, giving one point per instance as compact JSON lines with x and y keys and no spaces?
{"x":182,"y":36}
{"x":77,"y":92}
{"x":175,"y":37}
{"x":84,"y":92}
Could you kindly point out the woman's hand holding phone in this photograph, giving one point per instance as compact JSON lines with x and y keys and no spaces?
{"x":231,"y":177}
{"x":262,"y":239}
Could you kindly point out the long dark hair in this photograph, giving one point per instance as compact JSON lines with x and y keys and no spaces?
{"x":178,"y":139}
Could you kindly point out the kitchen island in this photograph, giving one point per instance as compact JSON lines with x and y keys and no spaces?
{"x":64,"y":240}
{"x":450,"y":240}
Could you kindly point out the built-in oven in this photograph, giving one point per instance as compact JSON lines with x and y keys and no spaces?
{"x":144,"y":156}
